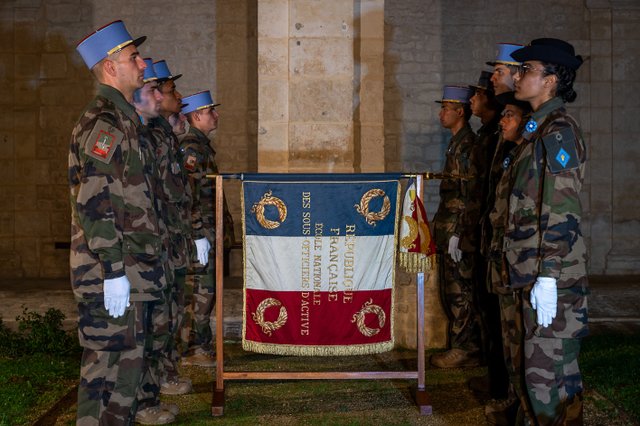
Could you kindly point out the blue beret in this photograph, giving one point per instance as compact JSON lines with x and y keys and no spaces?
{"x":149,"y":73}
{"x":504,"y":54}
{"x":197,"y":101}
{"x":162,"y":71}
{"x":105,"y":41}
{"x":457,"y":94}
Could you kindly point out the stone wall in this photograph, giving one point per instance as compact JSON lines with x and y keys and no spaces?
{"x":214,"y":44}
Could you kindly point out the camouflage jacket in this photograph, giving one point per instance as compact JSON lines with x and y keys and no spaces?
{"x":543,"y":236}
{"x":115,"y":228}
{"x":198,"y":160}
{"x":460,"y":200}
{"x":493,"y":148}
{"x":175,"y":193}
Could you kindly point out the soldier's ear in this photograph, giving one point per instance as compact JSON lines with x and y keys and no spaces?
{"x":109,"y":67}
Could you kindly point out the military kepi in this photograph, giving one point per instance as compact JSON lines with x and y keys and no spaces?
{"x":457,"y":94}
{"x":162,"y":71}
{"x":149,"y":72}
{"x":105,"y":41}
{"x":550,"y":50}
{"x":198,"y":101}
{"x":504,"y":54}
{"x":484,"y":81}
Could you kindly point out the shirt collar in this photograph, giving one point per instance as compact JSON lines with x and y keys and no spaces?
{"x":115,"y":96}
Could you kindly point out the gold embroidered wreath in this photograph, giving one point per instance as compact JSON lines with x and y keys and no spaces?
{"x":369,"y":308}
{"x":363,"y":207}
{"x":269,"y":327}
{"x":258,"y":209}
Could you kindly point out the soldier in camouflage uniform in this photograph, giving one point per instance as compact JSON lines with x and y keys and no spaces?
{"x":505,"y":411}
{"x":147,"y":102}
{"x":543,"y":243}
{"x":485,"y":107}
{"x":116,"y":265}
{"x":455,"y":225}
{"x":198,"y":160}
{"x":177,"y":195}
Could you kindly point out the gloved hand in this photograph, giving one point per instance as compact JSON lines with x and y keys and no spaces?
{"x":544,"y":299}
{"x":203,"y":246}
{"x":454,"y":251}
{"x":116,"y":295}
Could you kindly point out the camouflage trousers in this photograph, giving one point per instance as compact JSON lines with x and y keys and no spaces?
{"x":457,"y":291}
{"x":113,"y":365}
{"x":199,"y":300}
{"x":175,"y":298}
{"x":552,"y":374}
{"x":157,"y":342}
{"x":553,"y":380}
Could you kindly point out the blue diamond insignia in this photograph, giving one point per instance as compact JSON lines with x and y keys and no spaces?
{"x":563,"y":157}
{"x":531,"y":125}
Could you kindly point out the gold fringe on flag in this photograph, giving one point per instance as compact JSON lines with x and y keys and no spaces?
{"x":417,"y":249}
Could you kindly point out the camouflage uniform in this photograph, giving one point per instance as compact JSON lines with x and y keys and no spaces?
{"x":198,"y":160}
{"x":492,"y":149}
{"x":458,"y":213}
{"x":543,"y":239}
{"x":510,"y":301}
{"x":114,"y":232}
{"x":176,"y":194}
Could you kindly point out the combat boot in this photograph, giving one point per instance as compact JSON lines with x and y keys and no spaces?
{"x":177,"y":386}
{"x":502,"y":412}
{"x":154,"y":416}
{"x":455,"y":358}
{"x":201,"y":359}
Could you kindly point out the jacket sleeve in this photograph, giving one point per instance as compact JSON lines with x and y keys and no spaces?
{"x":99,"y":200}
{"x":560,"y":209}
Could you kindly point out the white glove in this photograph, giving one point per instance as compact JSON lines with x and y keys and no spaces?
{"x":454,"y":251}
{"x":116,"y":295}
{"x":544,"y":299}
{"x":203,"y":246}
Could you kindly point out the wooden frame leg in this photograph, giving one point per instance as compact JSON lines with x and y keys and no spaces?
{"x":217,"y":402}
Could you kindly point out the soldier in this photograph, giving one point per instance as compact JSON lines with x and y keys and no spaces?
{"x":543,"y":242}
{"x":116,"y":250}
{"x":455,"y":226}
{"x":198,"y":160}
{"x":147,"y":102}
{"x":485,"y":107}
{"x":504,"y":68}
{"x":515,"y":405}
{"x":177,"y":193}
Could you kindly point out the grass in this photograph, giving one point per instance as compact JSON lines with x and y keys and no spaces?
{"x":29,"y":385}
{"x":610,"y":364}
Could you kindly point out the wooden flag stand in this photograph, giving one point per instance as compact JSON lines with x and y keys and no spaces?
{"x":217,"y":404}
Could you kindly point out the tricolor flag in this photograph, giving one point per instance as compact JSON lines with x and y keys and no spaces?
{"x":319,"y":264}
{"x":416,"y":245}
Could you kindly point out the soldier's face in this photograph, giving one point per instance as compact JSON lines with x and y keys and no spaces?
{"x":172,"y":98}
{"x":150,"y":100}
{"x":479,"y":102}
{"x":510,"y":122}
{"x":531,"y":82}
{"x":208,"y":120}
{"x":502,"y":79}
{"x":449,"y":114}
{"x":130,"y":68}
{"x":178,"y":123}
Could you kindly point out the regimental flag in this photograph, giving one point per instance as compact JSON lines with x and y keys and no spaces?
{"x":319,"y":265}
{"x":417,"y":248}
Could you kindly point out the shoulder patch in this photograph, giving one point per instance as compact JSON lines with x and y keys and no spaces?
{"x":103,"y":141}
{"x":561,"y":150}
{"x":191,"y":162}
